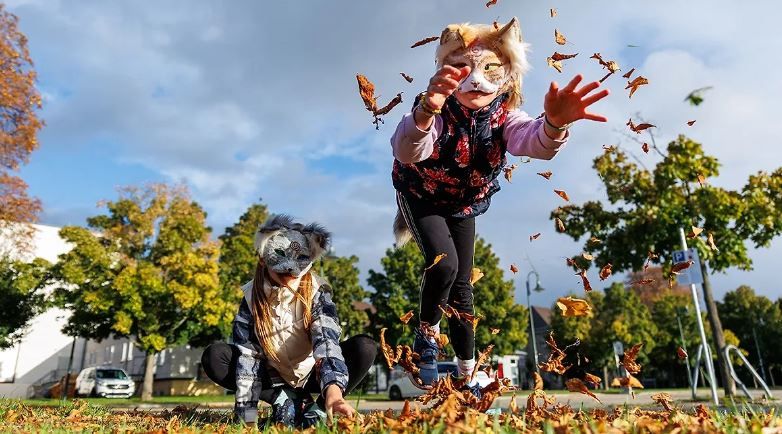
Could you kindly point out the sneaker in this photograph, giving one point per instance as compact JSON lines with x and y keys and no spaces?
{"x":428,"y":350}
{"x":475,"y":389}
{"x":312,"y":416}
{"x":284,"y":407}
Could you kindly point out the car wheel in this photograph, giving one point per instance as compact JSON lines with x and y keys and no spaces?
{"x":394,"y":393}
{"x":94,"y":392}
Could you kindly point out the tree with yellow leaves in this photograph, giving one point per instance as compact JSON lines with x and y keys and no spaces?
{"x":147,"y":270}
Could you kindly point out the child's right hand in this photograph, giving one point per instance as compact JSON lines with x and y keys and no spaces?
{"x":443,"y":83}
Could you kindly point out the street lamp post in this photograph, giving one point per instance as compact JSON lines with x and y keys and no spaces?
{"x":531,"y":318}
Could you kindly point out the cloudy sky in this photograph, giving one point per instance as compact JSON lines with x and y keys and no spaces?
{"x":244,"y":100}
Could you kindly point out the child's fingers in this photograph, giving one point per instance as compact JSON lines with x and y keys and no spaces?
{"x":589,"y":87}
{"x":594,"y":98}
{"x":444,"y":81}
{"x":573,"y":83}
{"x":595,"y":117}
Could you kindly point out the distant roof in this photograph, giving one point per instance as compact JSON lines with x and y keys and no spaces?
{"x":541,"y":316}
{"x":362,"y":305}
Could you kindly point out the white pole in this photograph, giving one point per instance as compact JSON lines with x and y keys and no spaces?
{"x":707,"y":351}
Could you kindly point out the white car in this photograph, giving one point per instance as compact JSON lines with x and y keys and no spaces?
{"x":105,"y":382}
{"x":402,"y":387}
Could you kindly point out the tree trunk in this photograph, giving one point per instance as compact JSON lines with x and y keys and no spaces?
{"x":149,"y":377}
{"x":717,"y":334}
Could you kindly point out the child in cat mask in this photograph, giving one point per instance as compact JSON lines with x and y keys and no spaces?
{"x":449,"y":152}
{"x":286,"y":334}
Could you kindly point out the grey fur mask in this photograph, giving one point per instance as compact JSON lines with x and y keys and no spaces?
{"x":290,"y":248}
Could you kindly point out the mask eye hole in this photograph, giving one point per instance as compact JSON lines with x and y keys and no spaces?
{"x":303,"y":258}
{"x":279,"y":252}
{"x":491,"y":66}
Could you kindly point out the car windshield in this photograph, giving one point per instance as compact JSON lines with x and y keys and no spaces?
{"x":111,"y":374}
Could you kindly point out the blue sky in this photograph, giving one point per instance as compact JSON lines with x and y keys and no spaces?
{"x":242,"y":99}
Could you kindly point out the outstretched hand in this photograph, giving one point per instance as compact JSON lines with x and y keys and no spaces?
{"x":566,"y":105}
{"x":443,"y":83}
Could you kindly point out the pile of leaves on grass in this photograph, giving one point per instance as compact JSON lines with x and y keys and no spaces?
{"x":542,"y":414}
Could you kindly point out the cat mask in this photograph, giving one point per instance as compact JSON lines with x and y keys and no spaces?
{"x":497,"y":57}
{"x":290,"y":248}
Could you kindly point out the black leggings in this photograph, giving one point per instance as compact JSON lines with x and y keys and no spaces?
{"x":219,"y":362}
{"x":448,"y":281}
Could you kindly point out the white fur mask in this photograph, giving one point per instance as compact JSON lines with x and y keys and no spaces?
{"x":290,"y":248}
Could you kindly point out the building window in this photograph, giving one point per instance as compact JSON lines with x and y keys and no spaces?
{"x":131,"y":348}
{"x":124,"y":355}
{"x":162,"y":358}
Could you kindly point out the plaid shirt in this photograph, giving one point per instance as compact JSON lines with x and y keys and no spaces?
{"x":256,"y":380}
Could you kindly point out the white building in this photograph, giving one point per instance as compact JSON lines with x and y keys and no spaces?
{"x":41,"y":358}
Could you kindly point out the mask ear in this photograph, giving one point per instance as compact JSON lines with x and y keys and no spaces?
{"x":319,"y":239}
{"x":270,"y":228}
{"x":511,"y":32}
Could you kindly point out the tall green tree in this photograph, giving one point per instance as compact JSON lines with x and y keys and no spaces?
{"x":237,"y":255}
{"x":343,"y":276}
{"x":147,"y":270}
{"x":647,"y":207}
{"x":757,"y":322}
{"x":397,"y":292}
{"x":21,"y":297}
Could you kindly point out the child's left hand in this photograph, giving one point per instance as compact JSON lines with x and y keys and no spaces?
{"x":566,"y":105}
{"x":335,"y":402}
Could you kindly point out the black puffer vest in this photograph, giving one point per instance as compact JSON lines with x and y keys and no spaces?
{"x":460,"y":176}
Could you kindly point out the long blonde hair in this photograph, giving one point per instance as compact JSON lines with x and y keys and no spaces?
{"x":262,"y":309}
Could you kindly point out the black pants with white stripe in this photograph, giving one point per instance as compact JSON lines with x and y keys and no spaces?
{"x":448,"y":282}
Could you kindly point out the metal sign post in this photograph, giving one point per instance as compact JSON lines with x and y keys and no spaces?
{"x":696,"y":301}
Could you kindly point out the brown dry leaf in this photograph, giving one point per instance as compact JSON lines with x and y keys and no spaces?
{"x":494,"y":331}
{"x":555,"y":61}
{"x":556,"y":357}
{"x":694,"y":232}
{"x":406,"y":317}
{"x":556,"y":64}
{"x":513,"y":408}
{"x":628,"y":73}
{"x":575,"y":385}
{"x":643,"y":282}
{"x":608,"y":149}
{"x":584,"y":280}
{"x":629,"y":359}
{"x":635,"y":84}
{"x":690,"y":123}
{"x":392,"y":357}
{"x":367,"y":92}
{"x":560,"y":225}
{"x":562,"y":194}
{"x":587,"y":256}
{"x":475,"y":275}
{"x":638,"y":128}
{"x":547,"y":174}
{"x":553,"y":12}
{"x":425,"y":41}
{"x":442,"y":340}
{"x":681,"y":266}
{"x":560,"y":56}
{"x":701,"y":180}
{"x":663,"y":399}
{"x":710,"y":242}
{"x":595,"y":240}
{"x":437,"y":259}
{"x":538,"y":381}
{"x":559,"y":38}
{"x":449,"y":311}
{"x":650,"y":256}
{"x":605,"y":272}
{"x":509,"y":171}
{"x":482,"y":356}
{"x":593,"y":379}
{"x":391,"y":104}
{"x":491,"y":3}
{"x":514,"y":269}
{"x":611,"y":65}
{"x":406,"y":77}
{"x":628,"y":381}
{"x":681,"y":353}
{"x":534,"y":236}
{"x":473,"y":319}
{"x":645,"y":148}
{"x":573,"y":307}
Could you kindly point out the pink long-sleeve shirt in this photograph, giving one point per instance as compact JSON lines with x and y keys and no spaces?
{"x":524,"y":136}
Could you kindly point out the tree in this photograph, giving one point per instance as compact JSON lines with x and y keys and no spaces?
{"x":237,"y":255}
{"x":668,"y":310}
{"x":21,"y":297}
{"x":397,"y":292}
{"x":149,"y":273}
{"x":19,"y":125}
{"x":648,"y":207}
{"x":757,"y":322}
{"x":343,"y":276}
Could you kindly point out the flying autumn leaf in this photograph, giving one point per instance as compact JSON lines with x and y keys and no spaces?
{"x":593,"y":379}
{"x":710,"y":242}
{"x":560,"y":225}
{"x":570,"y":262}
{"x":609,"y":148}
{"x":538,"y":381}
{"x":681,"y":353}
{"x":584,"y":280}
{"x":638,"y":128}
{"x":482,"y":356}
{"x":694,"y":232}
{"x":628,"y":381}
{"x":663,"y":399}
{"x":494,"y":331}
{"x":559,"y":38}
{"x":645,"y":148}
{"x":610,"y":65}
{"x":556,"y":64}
{"x":509,"y":171}
{"x":475,"y":275}
{"x":425,"y":41}
{"x":681,"y":266}
{"x":513,"y":268}
{"x":562,"y":194}
{"x":555,"y":61}
{"x":595,"y":240}
{"x":534,"y":236}
{"x":547,"y":174}
{"x":556,"y":357}
{"x":701,"y":180}
{"x":635,"y":84}
{"x":367,"y":92}
{"x":587,"y":256}
{"x":650,"y":256}
{"x":575,"y":385}
{"x":628,"y":73}
{"x":629,"y":359}
{"x":573,"y":307}
{"x":605,"y":272}
{"x":696,"y":96}
{"x":391,"y":357}
{"x":442,"y":340}
{"x":491,"y":3}
{"x":406,"y":317}
{"x":437,"y":259}
{"x":472,"y":319}
{"x":553,"y":12}
{"x":690,"y":123}
{"x":406,"y":77}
